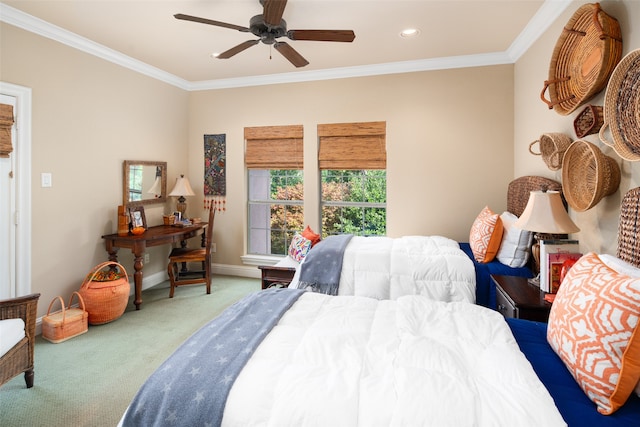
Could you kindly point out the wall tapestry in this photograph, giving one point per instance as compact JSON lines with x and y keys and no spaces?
{"x":215,"y":180}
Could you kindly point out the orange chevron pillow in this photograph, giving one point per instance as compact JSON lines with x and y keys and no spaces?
{"x":486,"y":235}
{"x":594,"y":327}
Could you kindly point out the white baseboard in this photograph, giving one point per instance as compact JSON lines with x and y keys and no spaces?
{"x":151,"y":280}
{"x":154,"y":279}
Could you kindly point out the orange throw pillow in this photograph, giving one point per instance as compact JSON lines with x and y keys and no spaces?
{"x":593,"y":327}
{"x":486,"y":235}
{"x":309,"y":234}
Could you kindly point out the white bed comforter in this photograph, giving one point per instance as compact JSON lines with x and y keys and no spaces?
{"x":388,"y":268}
{"x":354,"y":361}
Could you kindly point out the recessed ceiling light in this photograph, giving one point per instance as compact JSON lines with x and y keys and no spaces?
{"x":409,"y":32}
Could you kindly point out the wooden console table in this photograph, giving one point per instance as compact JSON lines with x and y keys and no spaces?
{"x":154,"y":236}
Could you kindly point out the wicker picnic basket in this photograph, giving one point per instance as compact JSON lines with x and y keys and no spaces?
{"x":589,"y":121}
{"x":552,"y":148}
{"x":588,"y":175}
{"x":622,"y":108}
{"x":583,"y":59}
{"x":105,"y":292}
{"x":66,"y":323}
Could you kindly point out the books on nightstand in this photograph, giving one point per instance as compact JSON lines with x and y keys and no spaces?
{"x":553,"y":253}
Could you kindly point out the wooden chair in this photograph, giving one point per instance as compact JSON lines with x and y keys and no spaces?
{"x":19,"y":358}
{"x":179,"y":258}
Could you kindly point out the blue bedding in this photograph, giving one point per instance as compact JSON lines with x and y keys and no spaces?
{"x":485,"y":289}
{"x":573,"y":403}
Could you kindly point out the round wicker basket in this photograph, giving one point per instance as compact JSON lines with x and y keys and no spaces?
{"x":622,"y":108}
{"x":105,"y":297}
{"x":583,"y":59}
{"x":588,"y":175}
{"x":552,"y":148}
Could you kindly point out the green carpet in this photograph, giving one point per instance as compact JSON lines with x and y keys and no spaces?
{"x":90,"y":379}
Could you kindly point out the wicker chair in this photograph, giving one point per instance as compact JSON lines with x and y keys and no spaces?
{"x":180,"y":257}
{"x":19,"y":358}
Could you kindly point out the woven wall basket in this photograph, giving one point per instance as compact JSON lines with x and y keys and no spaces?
{"x":622,"y":108}
{"x":552,"y":148}
{"x":589,"y":121}
{"x":588,"y":175}
{"x":583,"y":59}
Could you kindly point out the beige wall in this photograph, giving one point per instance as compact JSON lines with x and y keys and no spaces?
{"x":449,"y":143}
{"x":88,"y":117}
{"x":532,"y":118}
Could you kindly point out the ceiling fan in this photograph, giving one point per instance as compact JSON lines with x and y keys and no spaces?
{"x":269,"y":26}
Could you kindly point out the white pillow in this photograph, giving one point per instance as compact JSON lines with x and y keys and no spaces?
{"x":11,"y":332}
{"x":516,"y":242}
{"x":622,"y":267}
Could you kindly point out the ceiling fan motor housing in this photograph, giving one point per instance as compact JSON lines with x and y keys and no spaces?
{"x":267,"y":33}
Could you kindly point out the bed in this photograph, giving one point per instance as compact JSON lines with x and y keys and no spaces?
{"x":388,"y":268}
{"x":303,"y":358}
{"x":368,"y":270}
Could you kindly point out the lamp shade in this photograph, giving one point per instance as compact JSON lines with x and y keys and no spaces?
{"x":545,"y":213}
{"x":156,"y":188}
{"x":182,"y":187}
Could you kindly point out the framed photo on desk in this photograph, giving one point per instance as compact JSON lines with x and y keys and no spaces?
{"x":137,"y":217}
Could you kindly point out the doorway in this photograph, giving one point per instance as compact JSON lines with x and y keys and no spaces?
{"x":15,"y":197}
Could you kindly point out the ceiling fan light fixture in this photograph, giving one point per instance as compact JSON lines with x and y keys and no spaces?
{"x":409,"y":32}
{"x":269,"y":27}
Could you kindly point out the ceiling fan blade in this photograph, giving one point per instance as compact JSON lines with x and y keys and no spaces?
{"x":237,"y":49}
{"x":322,"y":35}
{"x":273,"y":11}
{"x":210,"y":22}
{"x":291,"y":54}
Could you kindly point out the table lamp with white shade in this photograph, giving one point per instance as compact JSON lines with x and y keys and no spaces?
{"x":181,"y":189}
{"x":544,"y":215}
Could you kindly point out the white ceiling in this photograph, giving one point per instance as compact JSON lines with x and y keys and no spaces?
{"x":144,"y":35}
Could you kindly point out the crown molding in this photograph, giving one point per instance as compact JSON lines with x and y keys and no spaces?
{"x":540,"y":22}
{"x":43,"y":28}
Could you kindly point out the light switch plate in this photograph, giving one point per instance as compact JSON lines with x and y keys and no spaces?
{"x":45,"y":179}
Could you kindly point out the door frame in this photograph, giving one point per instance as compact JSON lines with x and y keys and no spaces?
{"x":22,"y":175}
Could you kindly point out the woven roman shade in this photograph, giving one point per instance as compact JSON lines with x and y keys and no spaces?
{"x":352,"y":146}
{"x":274,"y":147}
{"x":6,"y":122}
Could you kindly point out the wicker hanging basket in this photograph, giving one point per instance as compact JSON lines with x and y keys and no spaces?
{"x":105,"y":293}
{"x":588,"y":175}
{"x":583,"y":59}
{"x":552,"y":148}
{"x":6,"y":122}
{"x":622,"y":108}
{"x":589,"y":121}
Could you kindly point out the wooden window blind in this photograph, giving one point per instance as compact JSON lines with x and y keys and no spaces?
{"x":274,"y":147}
{"x":352,"y":146}
{"x":6,"y":122}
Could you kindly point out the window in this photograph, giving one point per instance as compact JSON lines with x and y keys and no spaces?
{"x":354,"y":201}
{"x":275,"y":204}
{"x":275,"y":209}
{"x":135,"y":183}
{"x":352,"y":160}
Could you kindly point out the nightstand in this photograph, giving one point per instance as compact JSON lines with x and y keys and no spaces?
{"x":516,"y":297}
{"x":272,"y":275}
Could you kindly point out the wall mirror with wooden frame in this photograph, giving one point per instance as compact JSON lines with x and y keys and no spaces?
{"x":144,"y":182}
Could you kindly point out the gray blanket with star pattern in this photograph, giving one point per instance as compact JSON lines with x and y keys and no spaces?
{"x":320,"y":271}
{"x":190,"y":388}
